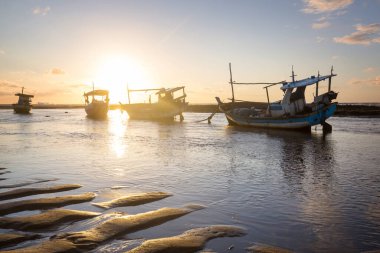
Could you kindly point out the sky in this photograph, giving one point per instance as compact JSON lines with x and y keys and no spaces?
{"x":58,"y":49}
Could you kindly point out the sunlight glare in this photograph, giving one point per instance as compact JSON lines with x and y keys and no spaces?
{"x":116,"y":72}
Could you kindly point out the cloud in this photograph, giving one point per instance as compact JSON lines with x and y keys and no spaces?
{"x":7,"y":84}
{"x":371,"y":81}
{"x":80,"y":85}
{"x":320,"y":39}
{"x":320,"y":25}
{"x":2,"y":52}
{"x":57,"y":71}
{"x":364,"y":35}
{"x":334,"y":57}
{"x":324,"y":6}
{"x":369,"y":69}
{"x":41,"y":11}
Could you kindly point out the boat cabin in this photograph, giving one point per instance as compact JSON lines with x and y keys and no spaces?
{"x":294,"y":101}
{"x":164,"y":95}
{"x":97,"y":96}
{"x":24,"y":99}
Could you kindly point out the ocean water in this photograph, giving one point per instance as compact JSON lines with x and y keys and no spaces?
{"x":304,"y":192}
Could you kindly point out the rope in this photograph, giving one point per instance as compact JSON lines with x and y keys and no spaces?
{"x":208,"y":118}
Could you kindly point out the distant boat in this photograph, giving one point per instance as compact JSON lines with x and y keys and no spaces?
{"x":166,"y":108}
{"x":98,"y":106}
{"x":292,"y":112}
{"x":23,"y":105}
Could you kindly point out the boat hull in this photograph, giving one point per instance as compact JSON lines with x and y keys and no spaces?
{"x":154,"y":111}
{"x":305,"y":121}
{"x":22,"y":109}
{"x":97,"y":110}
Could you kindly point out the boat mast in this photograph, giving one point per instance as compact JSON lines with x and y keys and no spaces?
{"x":93,"y":88}
{"x":332,"y":69}
{"x":316,"y":86}
{"x":22,"y":90}
{"x":293,"y":75}
{"x":232,"y":85}
{"x":129,"y":99}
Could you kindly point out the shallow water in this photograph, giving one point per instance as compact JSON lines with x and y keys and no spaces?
{"x":305,"y":192}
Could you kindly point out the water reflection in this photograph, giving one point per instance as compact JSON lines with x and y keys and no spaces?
{"x":307,"y":163}
{"x":117,"y":128}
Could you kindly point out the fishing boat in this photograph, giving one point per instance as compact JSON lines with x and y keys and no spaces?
{"x":97,"y":108}
{"x":292,"y":112}
{"x":24,"y":104}
{"x":167,"y":106}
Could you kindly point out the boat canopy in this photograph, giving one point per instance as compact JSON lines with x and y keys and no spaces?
{"x":305,"y":82}
{"x":171,"y":90}
{"x":97,"y":93}
{"x":24,"y":95}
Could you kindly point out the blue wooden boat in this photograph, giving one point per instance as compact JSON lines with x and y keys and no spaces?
{"x":292,"y":112}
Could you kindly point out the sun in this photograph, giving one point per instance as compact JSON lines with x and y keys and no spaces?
{"x":116,"y":73}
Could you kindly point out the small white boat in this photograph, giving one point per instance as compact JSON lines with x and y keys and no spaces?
{"x":292,"y":112}
{"x":24,"y":104}
{"x":166,"y":108}
{"x":98,"y":106}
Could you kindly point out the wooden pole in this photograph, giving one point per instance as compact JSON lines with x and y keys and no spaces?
{"x":232,"y":85}
{"x":266,"y":88}
{"x":316,"y":87}
{"x":332,"y":68}
{"x":129,"y":99}
{"x":293,"y":75}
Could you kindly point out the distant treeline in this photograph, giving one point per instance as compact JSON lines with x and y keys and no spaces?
{"x":343,"y":110}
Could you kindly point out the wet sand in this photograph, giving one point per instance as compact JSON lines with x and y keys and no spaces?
{"x":190,"y":241}
{"x":46,"y":219}
{"x":44,"y":203}
{"x":37,"y":181}
{"x":12,"y":239}
{"x":19,"y":193}
{"x":263,"y":248}
{"x":114,"y":227}
{"x":133,"y":200}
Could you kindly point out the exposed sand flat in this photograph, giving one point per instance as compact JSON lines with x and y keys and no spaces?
{"x":11,"y":239}
{"x":45,"y":219}
{"x":263,"y":248}
{"x":133,"y":200}
{"x":51,"y":246}
{"x":33,"y":191}
{"x":44,"y":203}
{"x":27,"y":183}
{"x":123,"y":225}
{"x":89,"y":239}
{"x":190,"y":241}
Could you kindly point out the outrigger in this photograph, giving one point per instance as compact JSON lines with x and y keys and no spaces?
{"x":292,"y":112}
{"x":166,"y":108}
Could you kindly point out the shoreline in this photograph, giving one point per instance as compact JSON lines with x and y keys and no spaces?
{"x":343,"y":110}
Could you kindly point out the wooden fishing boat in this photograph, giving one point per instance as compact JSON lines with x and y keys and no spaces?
{"x":98,"y":107}
{"x":24,"y":104}
{"x":167,"y":106}
{"x":292,"y":112}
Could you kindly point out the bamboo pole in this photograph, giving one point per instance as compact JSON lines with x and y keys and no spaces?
{"x":232,"y":85}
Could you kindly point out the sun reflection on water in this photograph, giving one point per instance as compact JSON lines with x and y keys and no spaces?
{"x":117,"y":129}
